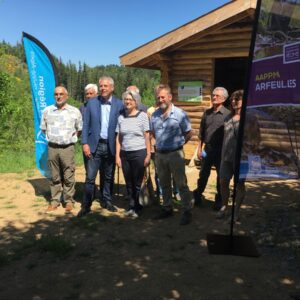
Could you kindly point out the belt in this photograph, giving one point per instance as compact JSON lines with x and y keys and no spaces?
{"x":103,"y":141}
{"x":53,"y":145}
{"x":169,"y":151}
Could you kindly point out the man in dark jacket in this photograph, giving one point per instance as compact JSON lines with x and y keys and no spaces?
{"x":210,"y":144}
{"x":99,"y":143}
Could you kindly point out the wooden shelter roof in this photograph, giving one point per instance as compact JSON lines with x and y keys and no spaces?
{"x":149,"y":54}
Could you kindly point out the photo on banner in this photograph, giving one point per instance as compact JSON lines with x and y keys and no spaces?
{"x":271,"y":136}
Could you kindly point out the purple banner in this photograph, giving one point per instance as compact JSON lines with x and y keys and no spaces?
{"x":274,"y":82}
{"x":271,"y":143}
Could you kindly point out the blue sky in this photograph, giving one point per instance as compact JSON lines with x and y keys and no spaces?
{"x":96,"y":32}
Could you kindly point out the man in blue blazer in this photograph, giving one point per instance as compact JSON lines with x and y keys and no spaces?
{"x":99,"y":144}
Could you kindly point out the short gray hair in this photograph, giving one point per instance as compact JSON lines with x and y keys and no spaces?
{"x":91,"y":86}
{"x":224,"y":91}
{"x":135,"y":96}
{"x":133,"y":88}
{"x":108,"y":78}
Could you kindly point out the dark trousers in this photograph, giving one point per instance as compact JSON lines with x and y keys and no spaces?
{"x":102,"y":161}
{"x":213,"y":158}
{"x":133,"y":170}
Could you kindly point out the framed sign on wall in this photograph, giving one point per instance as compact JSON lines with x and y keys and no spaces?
{"x":190,"y":91}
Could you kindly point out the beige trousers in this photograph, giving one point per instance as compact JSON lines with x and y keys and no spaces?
{"x":61,"y":161}
{"x":170,"y":165}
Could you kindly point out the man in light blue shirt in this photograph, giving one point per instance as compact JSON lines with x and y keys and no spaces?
{"x":99,"y":144}
{"x":105,"y":112}
{"x":172,"y":129}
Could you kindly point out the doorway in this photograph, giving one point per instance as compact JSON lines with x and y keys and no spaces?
{"x":231,"y":73}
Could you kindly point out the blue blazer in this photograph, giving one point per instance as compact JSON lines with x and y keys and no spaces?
{"x":92,"y":123}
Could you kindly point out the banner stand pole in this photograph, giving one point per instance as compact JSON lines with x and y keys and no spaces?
{"x":231,"y":244}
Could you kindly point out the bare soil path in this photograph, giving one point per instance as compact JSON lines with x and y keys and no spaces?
{"x":108,"y":256}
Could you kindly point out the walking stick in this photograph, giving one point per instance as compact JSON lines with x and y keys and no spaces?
{"x":118,"y":181}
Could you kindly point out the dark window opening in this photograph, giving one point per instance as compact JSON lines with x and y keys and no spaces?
{"x":230,"y":73}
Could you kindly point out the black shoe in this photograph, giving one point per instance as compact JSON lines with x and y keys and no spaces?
{"x":197,"y":197}
{"x":164,"y":214}
{"x":217,"y":205}
{"x":111,"y":208}
{"x":186,"y":217}
{"x":84,"y":211}
{"x":103,"y":204}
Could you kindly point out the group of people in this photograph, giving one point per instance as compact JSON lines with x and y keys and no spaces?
{"x":120,"y":133}
{"x":218,"y":137}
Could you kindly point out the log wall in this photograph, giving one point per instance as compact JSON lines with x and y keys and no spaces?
{"x":195,"y":61}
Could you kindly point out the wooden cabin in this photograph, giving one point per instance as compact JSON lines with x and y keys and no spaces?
{"x":213,"y":49}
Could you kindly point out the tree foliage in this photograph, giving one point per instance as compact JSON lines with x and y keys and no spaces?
{"x":16,"y":126}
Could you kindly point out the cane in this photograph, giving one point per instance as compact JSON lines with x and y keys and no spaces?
{"x":118,"y":180}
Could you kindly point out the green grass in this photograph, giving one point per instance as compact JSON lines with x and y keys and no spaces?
{"x":16,"y":162}
{"x":57,"y":246}
{"x":9,"y":206}
{"x":22,"y":161}
{"x":39,"y":202}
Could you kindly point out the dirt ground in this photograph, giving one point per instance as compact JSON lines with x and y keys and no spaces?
{"x":107,"y":256}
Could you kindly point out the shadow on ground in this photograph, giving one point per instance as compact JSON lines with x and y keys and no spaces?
{"x":107,"y":256}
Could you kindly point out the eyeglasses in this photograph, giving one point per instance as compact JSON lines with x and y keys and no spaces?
{"x":128,"y":99}
{"x":216,"y":95}
{"x":59,"y":94}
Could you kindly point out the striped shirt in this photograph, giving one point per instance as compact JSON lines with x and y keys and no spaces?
{"x":131,"y":130}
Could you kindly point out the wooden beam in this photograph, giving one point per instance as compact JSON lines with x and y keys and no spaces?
{"x":199,"y":67}
{"x":237,"y":52}
{"x":207,"y":61}
{"x":209,"y":30}
{"x":217,"y":45}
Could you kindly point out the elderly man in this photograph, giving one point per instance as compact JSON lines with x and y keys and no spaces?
{"x":99,"y":144}
{"x":90,"y":91}
{"x":210,"y":144}
{"x":171,"y":129}
{"x":61,"y":123}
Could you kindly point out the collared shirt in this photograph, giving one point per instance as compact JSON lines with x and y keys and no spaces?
{"x":105,"y":112}
{"x":212,"y":127}
{"x":61,"y":125}
{"x":170,"y":131}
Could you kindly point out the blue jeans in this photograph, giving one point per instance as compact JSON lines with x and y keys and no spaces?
{"x":102,"y":160}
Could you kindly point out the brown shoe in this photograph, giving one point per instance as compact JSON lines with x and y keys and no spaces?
{"x":51,"y":208}
{"x":69,"y":207}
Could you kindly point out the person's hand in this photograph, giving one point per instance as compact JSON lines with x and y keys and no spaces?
{"x":86,"y":150}
{"x":147,"y":160}
{"x":199,"y":153}
{"x":118,"y":161}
